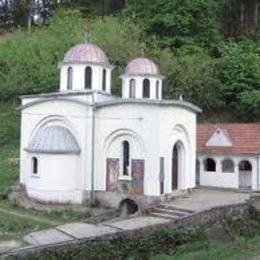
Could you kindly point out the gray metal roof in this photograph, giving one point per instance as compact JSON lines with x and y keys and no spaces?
{"x":54,"y":139}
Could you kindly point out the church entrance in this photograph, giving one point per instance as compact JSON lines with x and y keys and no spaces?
{"x":176,"y":165}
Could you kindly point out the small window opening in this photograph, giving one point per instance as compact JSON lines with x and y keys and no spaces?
{"x":245,"y":166}
{"x":34,"y":165}
{"x":104,"y":80}
{"x":146,"y":88}
{"x":88,"y":78}
{"x":132,"y":88}
{"x":126,"y":158}
{"x":69,"y":78}
{"x":157,"y":90}
{"x":209,"y":165}
{"x":228,"y":166}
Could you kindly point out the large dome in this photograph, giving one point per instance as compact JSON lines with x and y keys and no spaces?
{"x":142,"y":66}
{"x":86,"y":52}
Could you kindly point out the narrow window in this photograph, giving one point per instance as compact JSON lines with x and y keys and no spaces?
{"x":146,"y":88}
{"x":228,"y":166}
{"x":104,"y":80}
{"x":88,"y":78}
{"x":245,"y":166}
{"x":126,"y":158}
{"x":132,"y":88}
{"x":157,"y":89}
{"x":69,"y":78}
{"x":209,"y":165}
{"x":34,"y":165}
{"x":161,"y":175}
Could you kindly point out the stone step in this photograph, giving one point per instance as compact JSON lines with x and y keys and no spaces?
{"x":163,"y":215}
{"x":170,"y":207}
{"x":171,"y":212}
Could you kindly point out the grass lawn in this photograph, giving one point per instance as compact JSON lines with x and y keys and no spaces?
{"x":241,"y":248}
{"x":16,"y":221}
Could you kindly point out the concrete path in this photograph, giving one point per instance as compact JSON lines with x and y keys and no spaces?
{"x":202,"y":199}
{"x":197,"y":201}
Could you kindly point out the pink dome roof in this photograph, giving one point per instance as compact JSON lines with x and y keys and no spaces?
{"x":142,"y":66}
{"x":86,"y":52}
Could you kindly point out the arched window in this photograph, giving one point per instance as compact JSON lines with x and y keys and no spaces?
{"x":228,"y":166}
{"x":126,"y":158}
{"x":88,"y":78}
{"x":209,"y":165}
{"x":132,"y":89}
{"x":69,"y":78}
{"x":245,"y":166}
{"x":104,"y":80}
{"x":157,"y":90}
{"x":146,"y":88}
{"x":34,"y":165}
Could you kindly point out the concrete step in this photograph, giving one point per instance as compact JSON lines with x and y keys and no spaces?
{"x":162,"y":215}
{"x":176,"y":209}
{"x":171,"y":212}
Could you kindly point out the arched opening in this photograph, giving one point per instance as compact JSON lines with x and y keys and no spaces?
{"x":126,"y":158}
{"x":177,"y":165}
{"x":209,"y":165}
{"x":128,"y":207}
{"x":228,"y":166}
{"x":104,"y":79}
{"x":245,"y":175}
{"x":157,"y":90}
{"x":69,"y":78}
{"x":197,"y":172}
{"x":35,"y":169}
{"x":88,"y":78}
{"x":132,"y":89}
{"x":146,"y":88}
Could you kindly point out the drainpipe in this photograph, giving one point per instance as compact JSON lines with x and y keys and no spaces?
{"x":258,"y":170}
{"x":92,"y":199}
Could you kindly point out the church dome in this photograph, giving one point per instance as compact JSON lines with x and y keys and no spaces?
{"x":142,"y":66}
{"x":86,"y":52}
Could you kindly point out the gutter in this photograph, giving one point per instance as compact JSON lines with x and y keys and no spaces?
{"x":92,"y":199}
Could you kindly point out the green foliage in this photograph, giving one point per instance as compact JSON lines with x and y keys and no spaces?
{"x":238,"y":72}
{"x":178,"y":22}
{"x":28,"y":63}
{"x":8,"y":170}
{"x":139,"y":247}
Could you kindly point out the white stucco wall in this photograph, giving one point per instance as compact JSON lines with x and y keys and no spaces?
{"x":139,"y":86}
{"x":75,"y":117}
{"x":227,"y":180}
{"x":78,"y":79}
{"x":152,"y":131}
{"x":56,"y":180}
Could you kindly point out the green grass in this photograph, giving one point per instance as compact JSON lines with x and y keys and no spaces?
{"x":241,"y":248}
{"x":9,"y":172}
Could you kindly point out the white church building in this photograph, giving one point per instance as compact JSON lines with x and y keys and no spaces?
{"x":82,"y":143}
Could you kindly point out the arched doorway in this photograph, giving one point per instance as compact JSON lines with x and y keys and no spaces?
{"x":177,"y":165}
{"x":245,"y":175}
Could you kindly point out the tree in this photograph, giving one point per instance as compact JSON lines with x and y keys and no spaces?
{"x":178,"y":22}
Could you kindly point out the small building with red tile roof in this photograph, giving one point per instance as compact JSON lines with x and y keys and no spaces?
{"x":228,"y":155}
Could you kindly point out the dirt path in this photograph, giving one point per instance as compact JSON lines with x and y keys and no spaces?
{"x":29,"y":217}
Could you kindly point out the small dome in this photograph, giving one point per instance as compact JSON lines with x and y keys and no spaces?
{"x":86,"y":52}
{"x":54,"y":139}
{"x":142,"y":66}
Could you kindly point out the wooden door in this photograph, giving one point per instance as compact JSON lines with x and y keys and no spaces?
{"x":138,"y":176}
{"x":175,"y":168}
{"x":112,"y":174}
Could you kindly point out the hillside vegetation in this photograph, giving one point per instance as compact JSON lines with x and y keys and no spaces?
{"x":218,"y":73}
